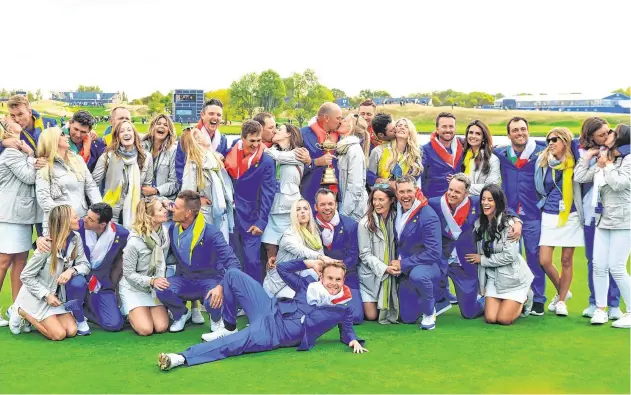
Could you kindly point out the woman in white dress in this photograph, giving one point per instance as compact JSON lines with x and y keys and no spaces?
{"x":562,"y":217}
{"x":480,"y":163}
{"x":17,"y":185}
{"x":352,"y":157}
{"x":124,"y":168}
{"x":144,"y":269}
{"x":41,"y":299}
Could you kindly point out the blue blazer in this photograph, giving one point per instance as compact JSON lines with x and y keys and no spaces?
{"x":102,"y":273}
{"x":435,"y":172}
{"x":317,"y":320}
{"x":519,"y":184}
{"x":35,"y":133}
{"x":212,"y":256}
{"x":312,"y":176}
{"x":420,"y":242}
{"x":345,"y":248}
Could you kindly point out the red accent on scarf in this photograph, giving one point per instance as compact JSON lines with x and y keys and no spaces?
{"x":519,"y":163}
{"x":327,"y":225}
{"x":423,"y":202}
{"x":443,"y":153}
{"x":461,"y":214}
{"x":236,"y":161}
{"x":268,"y":145}
{"x":83,"y":152}
{"x":321,"y":134}
{"x":374,"y":140}
{"x":200,"y":125}
{"x":345,"y":297}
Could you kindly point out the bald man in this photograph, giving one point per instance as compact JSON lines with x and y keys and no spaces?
{"x":326,"y":123}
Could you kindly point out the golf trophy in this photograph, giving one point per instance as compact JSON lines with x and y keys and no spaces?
{"x":328,"y":179}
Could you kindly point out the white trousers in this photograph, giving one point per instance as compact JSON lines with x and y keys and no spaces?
{"x":611,"y":251}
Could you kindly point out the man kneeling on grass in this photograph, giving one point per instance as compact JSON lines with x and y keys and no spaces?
{"x":317,"y":307}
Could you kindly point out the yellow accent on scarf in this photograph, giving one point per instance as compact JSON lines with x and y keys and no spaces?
{"x":312,"y":240}
{"x":107,"y":139}
{"x":383,"y":171}
{"x":198,"y":230}
{"x":113,"y":196}
{"x":567,"y":187}
{"x":386,"y":260}
{"x":468,"y":162}
{"x":37,"y":124}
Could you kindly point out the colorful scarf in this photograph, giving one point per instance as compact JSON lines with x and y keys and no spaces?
{"x":84,"y":151}
{"x":156,"y":242}
{"x":469,"y":162}
{"x":125,"y":162}
{"x":388,"y":300}
{"x":100,"y":246}
{"x":321,"y":134}
{"x":398,"y":170}
{"x":199,"y":225}
{"x":456,"y":150}
{"x":404,"y":218}
{"x":214,"y":140}
{"x":237,"y":163}
{"x":313,"y":241}
{"x":38,"y":127}
{"x":455,"y":220}
{"x":328,"y":228}
{"x":374,"y":140}
{"x":523,"y":159}
{"x":318,"y":295}
{"x":567,"y":186}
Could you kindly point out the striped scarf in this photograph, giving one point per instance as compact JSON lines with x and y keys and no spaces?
{"x":388,"y":301}
{"x":125,"y":163}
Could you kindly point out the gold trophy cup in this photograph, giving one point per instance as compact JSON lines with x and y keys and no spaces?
{"x":328,"y":146}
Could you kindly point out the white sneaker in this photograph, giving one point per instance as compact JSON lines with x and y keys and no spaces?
{"x":26,"y":327}
{"x":16,"y":322}
{"x":178,"y":325}
{"x":589,"y":311}
{"x":561,"y":309}
{"x":83,"y":329}
{"x":555,"y":300}
{"x":223,"y":332}
{"x":614,"y":313}
{"x":240,"y":313}
{"x":623,"y":322}
{"x":429,"y":321}
{"x":600,"y":317}
{"x":528,"y":304}
{"x":170,"y":361}
{"x":3,"y":322}
{"x":215,"y":326}
{"x":196,"y":316}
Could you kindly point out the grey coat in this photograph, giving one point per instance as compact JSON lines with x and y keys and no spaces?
{"x":64,"y":187}
{"x":38,"y":282}
{"x":480,"y":180}
{"x":372,"y":248}
{"x":146,"y":179}
{"x":506,"y":265}
{"x":291,"y":170}
{"x":164,"y":174}
{"x":352,"y":182}
{"x":136,"y":262}
{"x":17,"y":185}
{"x":615,"y":195}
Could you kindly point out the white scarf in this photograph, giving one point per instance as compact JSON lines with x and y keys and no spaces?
{"x":590,"y":200}
{"x":99,"y":246}
{"x":328,"y":228}
{"x":211,"y":173}
{"x":453,"y":226}
{"x":216,"y":139}
{"x":403,"y":217}
{"x":317,"y":295}
{"x":531,"y":145}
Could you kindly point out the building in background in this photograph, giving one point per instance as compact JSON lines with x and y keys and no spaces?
{"x":187,"y":105}
{"x":607,"y":102}
{"x":86,"y":99}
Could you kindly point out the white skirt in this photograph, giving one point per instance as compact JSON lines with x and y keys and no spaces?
{"x":131,"y":298}
{"x":277,"y":224}
{"x":15,"y":238}
{"x":569,"y":235}
{"x":518,"y":295}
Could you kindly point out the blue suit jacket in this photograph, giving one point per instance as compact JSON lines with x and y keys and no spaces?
{"x":102,"y":273}
{"x":312,"y":176}
{"x":317,"y":320}
{"x":35,"y":132}
{"x":519,"y":184}
{"x":435,"y":172}
{"x":420,"y":242}
{"x":345,"y":248}
{"x":211,"y":258}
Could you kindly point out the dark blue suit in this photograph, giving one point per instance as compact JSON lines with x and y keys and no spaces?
{"x":345,"y":248}
{"x":435,"y":171}
{"x":420,"y":250}
{"x":102,"y":305}
{"x":273,"y":323}
{"x":312,"y":177}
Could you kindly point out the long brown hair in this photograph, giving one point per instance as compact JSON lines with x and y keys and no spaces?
{"x":115,"y":144}
{"x":194,"y":153}
{"x":589,"y":127}
{"x":295,"y":136}
{"x":372,"y":226}
{"x":59,"y":230}
{"x":481,"y":161}
{"x":171,"y":137}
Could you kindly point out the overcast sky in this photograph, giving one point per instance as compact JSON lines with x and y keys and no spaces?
{"x":403,"y":47}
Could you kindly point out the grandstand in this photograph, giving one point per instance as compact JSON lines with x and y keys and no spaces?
{"x":608,"y":102}
{"x":86,"y":98}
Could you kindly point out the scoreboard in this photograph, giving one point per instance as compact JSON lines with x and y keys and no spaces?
{"x":187,"y":104}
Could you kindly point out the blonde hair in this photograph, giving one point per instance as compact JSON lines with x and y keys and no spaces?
{"x":116,"y":142}
{"x":146,"y":209}
{"x":18,"y":100}
{"x":47,"y":148}
{"x":566,"y":136}
{"x":414,"y":157}
{"x":11,"y":130}
{"x":295,"y":224}
{"x":195,"y":154}
{"x":59,"y":230}
{"x":171,"y":137}
{"x":359,"y":128}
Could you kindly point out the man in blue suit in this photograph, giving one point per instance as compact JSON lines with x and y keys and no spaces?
{"x":317,"y":307}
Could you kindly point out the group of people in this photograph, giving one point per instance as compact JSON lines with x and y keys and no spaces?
{"x":346,"y":220}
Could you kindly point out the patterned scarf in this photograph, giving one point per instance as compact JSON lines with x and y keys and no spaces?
{"x":313,"y":241}
{"x":156,"y":242}
{"x":84,"y":151}
{"x":318,"y":295}
{"x":328,"y":228}
{"x":117,"y":166}
{"x":237,"y":162}
{"x":100,"y":246}
{"x":374,"y":140}
{"x":388,"y":301}
{"x":398,"y":170}
{"x":449,"y":158}
{"x":455,"y":220}
{"x":214,"y":140}
{"x":523,"y":159}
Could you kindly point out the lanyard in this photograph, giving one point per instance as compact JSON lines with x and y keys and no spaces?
{"x":155,"y":168}
{"x":554,"y":181}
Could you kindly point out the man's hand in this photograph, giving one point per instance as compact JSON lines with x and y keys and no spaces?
{"x":44,"y":244}
{"x":514,"y":234}
{"x":206,"y":201}
{"x":449,"y":177}
{"x":357,"y":348}
{"x":161,"y":283}
{"x":393,"y":270}
{"x":93,"y":136}
{"x":65,"y":276}
{"x":302,"y":154}
{"x":473,"y":258}
{"x":314,"y":264}
{"x":271,"y":263}
{"x":324,"y":160}
{"x":396,"y":264}
{"x":149,"y":191}
{"x":216,"y":296}
{"x":591,"y":153}
{"x":40,"y":163}
{"x":52,"y":300}
{"x":255,"y":230}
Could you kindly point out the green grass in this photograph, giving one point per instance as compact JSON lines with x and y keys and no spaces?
{"x":536,"y":355}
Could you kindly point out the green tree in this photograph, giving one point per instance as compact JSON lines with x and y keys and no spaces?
{"x":380,"y":94}
{"x":30,"y":96}
{"x":89,"y":88}
{"x":38,"y":94}
{"x":436,"y":101}
{"x":136,"y":102}
{"x":243,"y":93}
{"x":270,"y":91}
{"x":229,"y":111}
{"x":366,"y":93}
{"x":289,"y":86}
{"x":308,"y":95}
{"x":623,"y":91}
{"x":338,"y":93}
{"x":499,"y":96}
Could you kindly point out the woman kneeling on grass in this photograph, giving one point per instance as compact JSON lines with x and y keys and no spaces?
{"x":144,"y":269}
{"x":503,"y":274}
{"x":42,"y":296}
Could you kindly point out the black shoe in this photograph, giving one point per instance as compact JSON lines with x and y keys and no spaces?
{"x":537,"y":309}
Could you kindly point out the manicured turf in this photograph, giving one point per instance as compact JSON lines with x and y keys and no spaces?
{"x":536,"y":355}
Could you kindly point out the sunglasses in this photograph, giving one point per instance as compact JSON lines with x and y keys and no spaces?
{"x":552,"y":140}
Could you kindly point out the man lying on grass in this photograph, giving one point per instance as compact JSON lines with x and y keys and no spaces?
{"x":317,"y":307}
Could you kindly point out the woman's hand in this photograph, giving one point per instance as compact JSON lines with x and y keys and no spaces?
{"x":149,"y":191}
{"x":271,"y":263}
{"x":52,"y":300}
{"x":161,"y":283}
{"x":394,"y":271}
{"x":472,"y":258}
{"x":602,"y":160}
{"x":65,"y":276}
